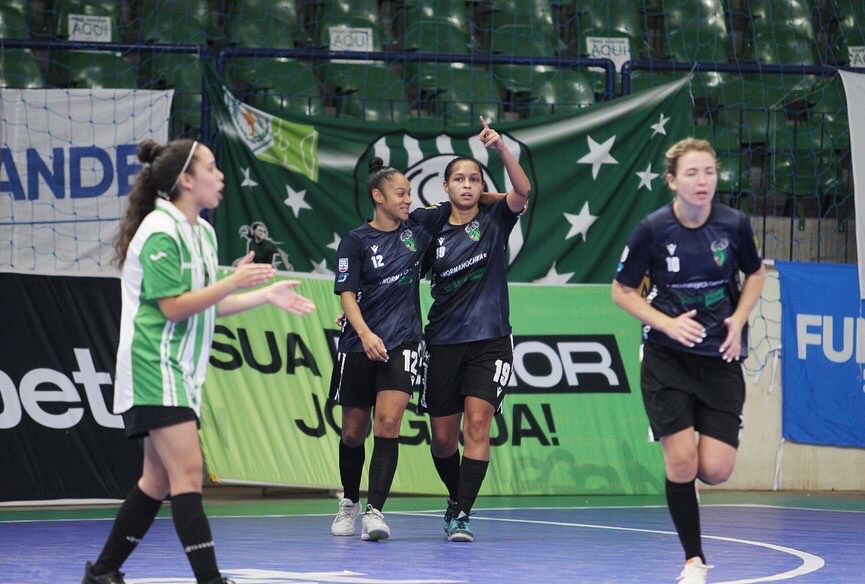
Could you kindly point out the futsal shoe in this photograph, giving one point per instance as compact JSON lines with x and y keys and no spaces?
{"x":343,"y":523}
{"x":450,"y":513}
{"x":374,"y":527}
{"x":458,"y":529}
{"x":694,"y":572}
{"x":114,"y":577}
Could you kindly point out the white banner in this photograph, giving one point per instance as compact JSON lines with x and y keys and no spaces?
{"x":854,"y":87}
{"x":67,"y":162}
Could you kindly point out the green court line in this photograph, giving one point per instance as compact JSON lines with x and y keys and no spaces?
{"x":254,"y":505}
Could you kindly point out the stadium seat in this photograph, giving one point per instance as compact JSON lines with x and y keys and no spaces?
{"x":361,"y":9}
{"x":89,"y":69}
{"x":609,"y":18}
{"x":265,"y":24}
{"x":173,"y":21}
{"x":695,"y":31}
{"x":436,"y":36}
{"x":93,"y":70}
{"x":560,"y":91}
{"x":850,"y":16}
{"x":362,"y":14}
{"x":350,"y":42}
{"x":519,"y":40}
{"x":421,"y":11}
{"x":830,"y":109}
{"x":804,"y":160}
{"x":536,"y":14}
{"x":373,"y":93}
{"x":459,"y":93}
{"x":64,"y":9}
{"x":19,"y":69}
{"x":276,"y":85}
{"x":13,"y":23}
{"x":781,"y":32}
{"x":181,"y":72}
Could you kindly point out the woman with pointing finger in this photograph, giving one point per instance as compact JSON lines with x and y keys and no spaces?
{"x":469,"y":348}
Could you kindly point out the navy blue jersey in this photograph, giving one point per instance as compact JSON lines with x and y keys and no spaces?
{"x":383,"y":269}
{"x":692,"y":269}
{"x":469,"y":278}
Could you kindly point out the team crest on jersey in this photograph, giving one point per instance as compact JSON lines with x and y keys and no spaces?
{"x":474,"y":230}
{"x":719,"y":251}
{"x":406,"y":238}
{"x":342,"y":264}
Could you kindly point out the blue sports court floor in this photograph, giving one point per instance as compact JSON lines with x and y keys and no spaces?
{"x":753,"y":537}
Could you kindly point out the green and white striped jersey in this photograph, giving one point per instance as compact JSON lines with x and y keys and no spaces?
{"x":159,"y":362}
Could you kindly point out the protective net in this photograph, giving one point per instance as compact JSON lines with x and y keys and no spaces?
{"x":781,"y":136}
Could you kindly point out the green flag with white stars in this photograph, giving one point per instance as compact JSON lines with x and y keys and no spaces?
{"x":294,"y":186}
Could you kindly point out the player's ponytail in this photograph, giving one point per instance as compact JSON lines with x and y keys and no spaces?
{"x":378,"y":174}
{"x":163,"y":164}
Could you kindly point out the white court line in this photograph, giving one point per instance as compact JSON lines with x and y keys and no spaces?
{"x":439,"y":511}
{"x":810,"y":562}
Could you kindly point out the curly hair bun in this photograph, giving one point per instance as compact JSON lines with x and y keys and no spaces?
{"x":375,"y":164}
{"x":149,"y":150}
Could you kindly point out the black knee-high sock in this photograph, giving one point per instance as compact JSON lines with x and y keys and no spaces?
{"x":193,"y":529}
{"x":382,"y":467}
{"x":134,"y":518}
{"x":472,"y":473}
{"x":685,"y":511}
{"x":350,"y":468}
{"x":449,"y":472}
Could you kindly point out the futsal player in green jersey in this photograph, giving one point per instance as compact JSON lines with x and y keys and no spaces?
{"x":170,"y":300}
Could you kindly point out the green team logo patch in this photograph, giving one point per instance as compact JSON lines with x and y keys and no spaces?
{"x":406,"y":238}
{"x":474,"y":230}
{"x":719,"y":251}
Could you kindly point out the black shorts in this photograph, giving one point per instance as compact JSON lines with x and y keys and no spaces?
{"x":682,"y":389}
{"x":479,"y":369}
{"x":140,"y":420}
{"x":357,"y":379}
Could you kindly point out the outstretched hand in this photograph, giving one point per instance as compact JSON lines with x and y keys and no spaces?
{"x":249,"y":274}
{"x":282,"y":295}
{"x":489,"y":137}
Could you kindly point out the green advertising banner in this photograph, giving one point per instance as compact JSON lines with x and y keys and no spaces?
{"x":296,"y":186}
{"x":573,"y":419}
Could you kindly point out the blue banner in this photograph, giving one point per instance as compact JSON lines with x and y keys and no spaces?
{"x":823,"y":340}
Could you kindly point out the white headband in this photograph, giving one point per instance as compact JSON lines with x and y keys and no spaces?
{"x":185,"y":165}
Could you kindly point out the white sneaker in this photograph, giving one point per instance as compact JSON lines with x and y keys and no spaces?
{"x":374,"y":527}
{"x":694,"y":572}
{"x":343,"y":524}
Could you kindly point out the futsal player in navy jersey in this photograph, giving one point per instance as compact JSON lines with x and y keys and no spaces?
{"x":694,"y":331}
{"x":469,"y":349}
{"x":378,"y":270}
